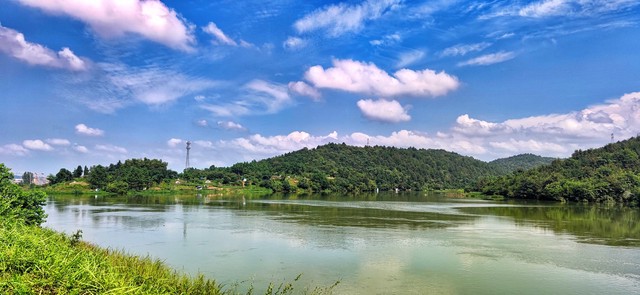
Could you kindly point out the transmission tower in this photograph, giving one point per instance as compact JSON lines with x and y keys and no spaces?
{"x":187,"y":162}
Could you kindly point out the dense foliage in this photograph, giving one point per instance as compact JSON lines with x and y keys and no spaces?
{"x":519,"y":162}
{"x":339,"y":167}
{"x":18,"y":204}
{"x":611,"y":173}
{"x":133,"y":174}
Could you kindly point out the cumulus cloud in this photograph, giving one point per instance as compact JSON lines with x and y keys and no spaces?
{"x":272,"y":145}
{"x":37,"y":144}
{"x":489,"y":59}
{"x":14,"y":44}
{"x":13,"y":150}
{"x":358,"y":77}
{"x":86,"y":130}
{"x":58,"y":141}
{"x":230,"y":125}
{"x":152,"y":20}
{"x":294,"y":43}
{"x":338,"y":19}
{"x":304,"y":89}
{"x":463,"y":49}
{"x":619,"y":116}
{"x":383,"y":110}
{"x":202,"y":123}
{"x":110,"y":148}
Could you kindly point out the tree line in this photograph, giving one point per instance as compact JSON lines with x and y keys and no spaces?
{"x":607,"y":174}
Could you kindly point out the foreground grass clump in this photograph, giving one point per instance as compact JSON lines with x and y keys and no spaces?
{"x":35,"y":260}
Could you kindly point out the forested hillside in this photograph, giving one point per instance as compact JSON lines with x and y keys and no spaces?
{"x":339,"y":167}
{"x":610,"y":173}
{"x":519,"y":162}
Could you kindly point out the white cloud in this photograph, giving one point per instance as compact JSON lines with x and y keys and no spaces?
{"x":489,"y":59}
{"x":389,"y":111}
{"x":81,"y":149}
{"x":86,"y":130}
{"x":546,"y":8}
{"x":115,"y":19}
{"x":273,"y":97}
{"x":228,"y":109}
{"x":294,"y":43}
{"x":409,"y":57}
{"x":258,"y":97}
{"x":13,"y":150}
{"x":304,"y":89}
{"x":204,"y":144}
{"x":37,"y":144}
{"x":221,"y":38}
{"x":387,"y":40}
{"x":58,"y":141}
{"x":230,"y":125}
{"x":354,"y":76}
{"x":619,"y":116}
{"x":556,"y":135}
{"x":202,"y":123}
{"x":463,"y":49}
{"x":338,"y":19}
{"x":154,"y":85}
{"x":174,"y":142}
{"x":273,"y":145}
{"x":110,"y":148}
{"x":14,"y":44}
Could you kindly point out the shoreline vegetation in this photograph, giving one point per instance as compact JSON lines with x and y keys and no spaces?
{"x":37,"y":260}
{"x":610,"y":174}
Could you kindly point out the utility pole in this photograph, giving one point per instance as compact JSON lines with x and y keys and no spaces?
{"x":186,"y":165}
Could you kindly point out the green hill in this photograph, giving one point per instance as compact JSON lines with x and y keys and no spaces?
{"x":520,"y":162}
{"x":339,"y":167}
{"x":607,"y":174}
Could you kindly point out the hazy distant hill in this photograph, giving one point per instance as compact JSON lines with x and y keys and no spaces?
{"x":610,"y":173}
{"x":520,"y":162}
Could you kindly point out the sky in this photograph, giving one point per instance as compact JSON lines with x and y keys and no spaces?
{"x":95,"y":82}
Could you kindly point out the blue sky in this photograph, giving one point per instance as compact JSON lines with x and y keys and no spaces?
{"x":94,"y":82}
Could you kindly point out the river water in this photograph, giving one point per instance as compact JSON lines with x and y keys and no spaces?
{"x":412,"y":243}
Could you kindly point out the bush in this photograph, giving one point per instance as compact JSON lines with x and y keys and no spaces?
{"x":18,"y":204}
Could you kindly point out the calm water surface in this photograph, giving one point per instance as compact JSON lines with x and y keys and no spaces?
{"x":373,"y":244}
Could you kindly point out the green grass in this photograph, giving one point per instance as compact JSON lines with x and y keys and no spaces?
{"x":35,"y":260}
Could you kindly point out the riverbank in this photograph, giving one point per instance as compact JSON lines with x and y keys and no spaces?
{"x":35,"y":260}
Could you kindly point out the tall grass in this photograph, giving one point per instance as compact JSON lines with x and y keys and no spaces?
{"x":34,"y":260}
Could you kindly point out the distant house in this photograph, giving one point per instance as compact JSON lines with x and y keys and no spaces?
{"x":17,"y":180}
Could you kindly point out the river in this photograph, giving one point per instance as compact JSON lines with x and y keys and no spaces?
{"x":408,"y":243}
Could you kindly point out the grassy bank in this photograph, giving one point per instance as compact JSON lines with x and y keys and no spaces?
{"x":35,"y":260}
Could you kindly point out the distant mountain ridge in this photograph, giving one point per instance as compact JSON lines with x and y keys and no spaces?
{"x":520,"y":162}
{"x":340,"y":167}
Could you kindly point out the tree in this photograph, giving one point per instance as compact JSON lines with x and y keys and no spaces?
{"x":27,"y":178}
{"x":63,"y":175}
{"x":78,"y":172}
{"x":85,"y":172}
{"x":18,"y":204}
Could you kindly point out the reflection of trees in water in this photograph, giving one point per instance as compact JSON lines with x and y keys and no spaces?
{"x":615,"y":226}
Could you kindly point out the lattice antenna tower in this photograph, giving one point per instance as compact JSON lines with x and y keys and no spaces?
{"x":187,"y":162}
